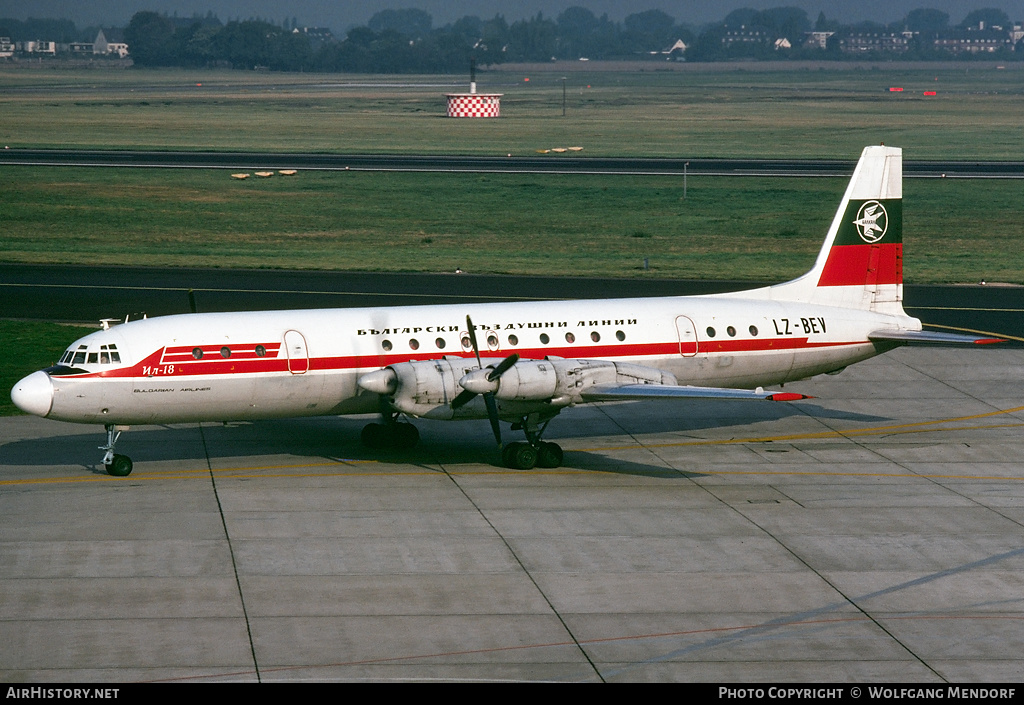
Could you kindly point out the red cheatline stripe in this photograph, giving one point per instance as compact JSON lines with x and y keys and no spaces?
{"x":221,"y":366}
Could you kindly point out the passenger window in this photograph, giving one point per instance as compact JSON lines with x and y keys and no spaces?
{"x":225,"y":352}
{"x":731,"y":331}
{"x":753,"y":330}
{"x":544,"y":338}
{"x":439,"y":343}
{"x":570,"y":338}
{"x":386,"y":344}
{"x":197,"y":353}
{"x":513,"y":339}
{"x":620,"y":336}
{"x":711,"y":332}
{"x":261,"y":351}
{"x":595,"y":336}
{"x":414,"y":344}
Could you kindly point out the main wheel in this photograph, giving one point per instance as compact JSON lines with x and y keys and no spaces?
{"x":520,"y":456}
{"x":549,"y":455}
{"x":120,"y":466}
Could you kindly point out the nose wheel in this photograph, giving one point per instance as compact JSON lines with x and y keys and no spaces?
{"x":115,"y":464}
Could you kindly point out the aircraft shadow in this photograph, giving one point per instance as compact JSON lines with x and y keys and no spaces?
{"x":442,"y":444}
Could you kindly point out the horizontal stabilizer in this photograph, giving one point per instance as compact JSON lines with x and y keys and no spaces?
{"x":665,"y":391}
{"x":925,"y":337}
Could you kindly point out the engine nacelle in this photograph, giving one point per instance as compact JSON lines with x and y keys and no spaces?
{"x":426,"y":388}
{"x":577,"y":376}
{"x":563,"y":382}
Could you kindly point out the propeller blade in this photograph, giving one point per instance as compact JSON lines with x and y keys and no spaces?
{"x":492,"y":406}
{"x":464,"y":397}
{"x":503,"y":367}
{"x":492,"y":414}
{"x":472,"y":339}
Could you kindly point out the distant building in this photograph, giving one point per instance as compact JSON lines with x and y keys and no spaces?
{"x":887,"y":42}
{"x":317,"y":35}
{"x":104,"y":47}
{"x":6,"y":48}
{"x":676,"y":51}
{"x":744,"y":36}
{"x":817,"y":40}
{"x":37,"y":46}
{"x":979,"y":40}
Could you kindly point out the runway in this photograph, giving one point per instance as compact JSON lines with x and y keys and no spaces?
{"x":874,"y":534}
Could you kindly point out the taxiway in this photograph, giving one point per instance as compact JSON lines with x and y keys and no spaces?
{"x":875,"y":533}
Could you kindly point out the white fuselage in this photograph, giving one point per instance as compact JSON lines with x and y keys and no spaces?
{"x":252,"y":365}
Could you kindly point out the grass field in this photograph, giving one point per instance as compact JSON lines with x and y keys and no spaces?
{"x":737,"y":112}
{"x":742,"y":228}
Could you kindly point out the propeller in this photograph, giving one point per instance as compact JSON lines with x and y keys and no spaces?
{"x":483,"y":381}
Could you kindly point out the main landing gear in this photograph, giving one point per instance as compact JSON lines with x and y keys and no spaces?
{"x":116,"y":465}
{"x":534,"y":452}
{"x":392,"y":434}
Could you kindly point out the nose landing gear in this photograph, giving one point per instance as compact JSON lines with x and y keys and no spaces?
{"x":116,"y":465}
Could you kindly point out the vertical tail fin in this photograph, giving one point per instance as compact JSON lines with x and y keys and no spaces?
{"x":861,"y":263}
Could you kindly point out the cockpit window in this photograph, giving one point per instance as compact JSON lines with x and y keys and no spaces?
{"x":107,"y":355}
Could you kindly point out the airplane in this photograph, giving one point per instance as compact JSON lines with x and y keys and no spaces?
{"x":537,"y":358}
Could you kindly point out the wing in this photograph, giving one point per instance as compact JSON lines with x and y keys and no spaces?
{"x":925,"y":337}
{"x":667,"y":391}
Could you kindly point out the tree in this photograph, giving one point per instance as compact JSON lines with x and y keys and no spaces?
{"x":991,"y":16}
{"x":788,"y":22}
{"x":410,"y":22}
{"x":150,"y":39}
{"x":741,"y":17}
{"x":650,"y":30}
{"x":576,"y":26}
{"x":532,"y":40}
{"x":926,"y":20}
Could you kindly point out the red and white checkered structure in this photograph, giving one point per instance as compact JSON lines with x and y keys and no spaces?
{"x":474,"y":104}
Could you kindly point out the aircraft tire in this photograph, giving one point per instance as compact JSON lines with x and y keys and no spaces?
{"x":549,"y":455}
{"x":120,"y":466}
{"x":520,"y":456}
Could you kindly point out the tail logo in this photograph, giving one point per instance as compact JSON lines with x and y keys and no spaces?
{"x":872,"y":222}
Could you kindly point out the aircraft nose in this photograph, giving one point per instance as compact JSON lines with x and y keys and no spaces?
{"x":34,"y":394}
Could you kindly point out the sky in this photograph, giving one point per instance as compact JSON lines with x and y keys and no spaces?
{"x":339,"y":15}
